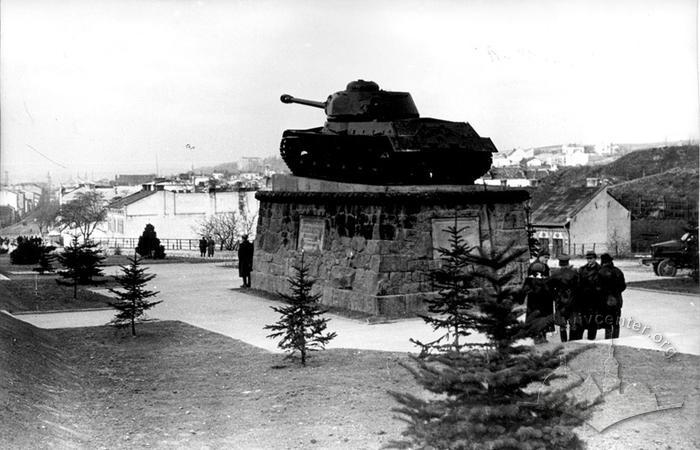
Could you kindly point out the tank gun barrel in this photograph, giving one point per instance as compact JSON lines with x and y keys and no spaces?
{"x":289,"y":99}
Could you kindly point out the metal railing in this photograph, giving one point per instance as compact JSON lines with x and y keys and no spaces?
{"x":168,"y":243}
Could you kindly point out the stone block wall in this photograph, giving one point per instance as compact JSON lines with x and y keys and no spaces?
{"x":377,"y":247}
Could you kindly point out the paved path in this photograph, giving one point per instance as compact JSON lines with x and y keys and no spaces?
{"x":206,"y":295}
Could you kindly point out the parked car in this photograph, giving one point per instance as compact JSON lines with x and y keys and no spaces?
{"x":669,"y":256}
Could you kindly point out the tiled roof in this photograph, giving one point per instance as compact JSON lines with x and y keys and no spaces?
{"x":558,"y":206}
{"x":129,"y":199}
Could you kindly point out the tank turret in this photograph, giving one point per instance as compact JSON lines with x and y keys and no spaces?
{"x":362,"y":101}
{"x":377,"y":137}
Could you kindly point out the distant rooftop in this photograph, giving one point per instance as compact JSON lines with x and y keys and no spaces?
{"x":129,"y":199}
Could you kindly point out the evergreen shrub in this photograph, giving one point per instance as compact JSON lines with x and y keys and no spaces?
{"x":28,"y":251}
{"x":149,"y":245}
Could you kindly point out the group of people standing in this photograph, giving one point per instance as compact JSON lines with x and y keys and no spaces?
{"x":577,"y":300}
{"x":207,"y":246}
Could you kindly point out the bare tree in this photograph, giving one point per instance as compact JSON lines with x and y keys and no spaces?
{"x":227,"y":228}
{"x":46,"y":214}
{"x":83,"y":214}
{"x":222,"y":227}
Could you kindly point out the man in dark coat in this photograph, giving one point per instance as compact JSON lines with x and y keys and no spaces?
{"x":612,"y":282}
{"x":540,"y":308}
{"x":567,"y":313}
{"x":211,"y":245}
{"x":590,"y":295}
{"x":203,"y":247}
{"x":245,"y":260}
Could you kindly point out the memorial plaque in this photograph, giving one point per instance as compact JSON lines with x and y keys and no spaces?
{"x":311,"y":231}
{"x":441,"y":238}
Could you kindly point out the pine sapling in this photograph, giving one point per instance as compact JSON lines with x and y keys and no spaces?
{"x":81,"y":262}
{"x":482,"y":396}
{"x":132,"y":301}
{"x":301,"y":326}
{"x":90,"y":262}
{"x":46,"y":259}
{"x":452,"y":311}
{"x":70,"y":259}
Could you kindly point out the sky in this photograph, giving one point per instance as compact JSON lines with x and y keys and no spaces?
{"x":109,"y":87}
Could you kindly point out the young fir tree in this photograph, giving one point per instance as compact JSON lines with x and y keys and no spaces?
{"x":482,"y":397}
{"x":81,"y":262}
{"x":453,"y":309}
{"x":301,"y":326}
{"x":46,"y":259}
{"x":132,"y":301}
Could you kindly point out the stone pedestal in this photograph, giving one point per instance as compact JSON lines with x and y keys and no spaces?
{"x":370,"y":248}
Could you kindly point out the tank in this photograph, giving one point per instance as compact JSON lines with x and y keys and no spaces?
{"x":374,"y":136}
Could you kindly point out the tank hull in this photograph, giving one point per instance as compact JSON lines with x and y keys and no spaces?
{"x":420,"y":151}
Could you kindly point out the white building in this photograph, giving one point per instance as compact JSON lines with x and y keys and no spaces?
{"x":575,"y":220}
{"x":175,"y":215}
{"x":534,"y":162}
{"x":519,"y":154}
{"x":10,"y":197}
{"x":607,"y":149}
{"x":21,"y":199}
{"x":500,"y":160}
{"x":574,"y":155}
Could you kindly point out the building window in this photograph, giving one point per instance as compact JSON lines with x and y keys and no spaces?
{"x":557,"y":247}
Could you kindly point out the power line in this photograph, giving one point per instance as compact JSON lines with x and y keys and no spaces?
{"x":58,"y":164}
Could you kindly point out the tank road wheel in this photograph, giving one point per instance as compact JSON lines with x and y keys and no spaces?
{"x":655,"y":266}
{"x":667,"y":268}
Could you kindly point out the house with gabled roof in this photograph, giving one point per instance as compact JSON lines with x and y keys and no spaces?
{"x":579,"y":219}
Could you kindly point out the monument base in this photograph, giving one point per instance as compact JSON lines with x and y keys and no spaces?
{"x":371,"y":248}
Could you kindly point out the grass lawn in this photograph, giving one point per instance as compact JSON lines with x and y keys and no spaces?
{"x":34,"y":292}
{"x":678,"y":284}
{"x":178,"y":386}
{"x":45,"y":294}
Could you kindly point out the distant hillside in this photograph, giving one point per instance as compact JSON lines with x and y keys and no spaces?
{"x":229,"y":167}
{"x":638,"y":164}
{"x":623,"y":148}
{"x":676,"y":184}
{"x":656,"y":171}
{"x":653,"y":161}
